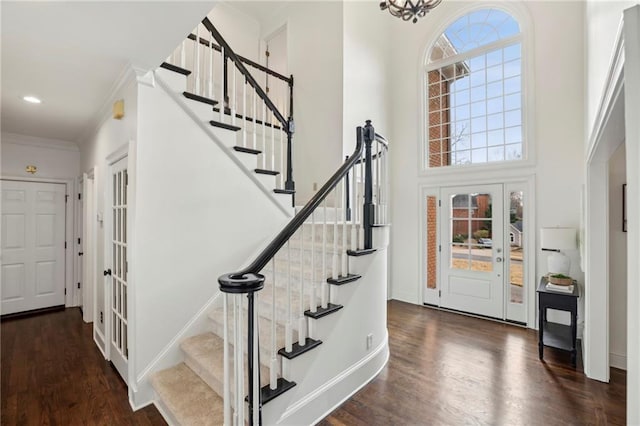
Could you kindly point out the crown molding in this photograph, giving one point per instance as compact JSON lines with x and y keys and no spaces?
{"x":25,"y":140}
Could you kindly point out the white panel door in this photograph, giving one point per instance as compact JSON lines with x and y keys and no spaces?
{"x":117,"y":284}
{"x":33,"y":245}
{"x":472,"y":253}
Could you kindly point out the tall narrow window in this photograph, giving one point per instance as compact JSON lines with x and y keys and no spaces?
{"x":474,"y":92}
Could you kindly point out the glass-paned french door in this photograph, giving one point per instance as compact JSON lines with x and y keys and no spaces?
{"x":474,"y":251}
{"x":119,"y":268}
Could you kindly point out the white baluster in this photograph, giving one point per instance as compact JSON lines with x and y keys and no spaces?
{"x":289,"y":326}
{"x":244,"y":113}
{"x":361,"y":205}
{"x":221,"y":99}
{"x":226,"y":397}
{"x":238,"y":360}
{"x":183,"y":53}
{"x":302,"y":338}
{"x":378,"y":162}
{"x":354,"y":207}
{"x":334,"y":263}
{"x":313,"y":304}
{"x":198,"y":73}
{"x":345,"y":230}
{"x":256,"y":367}
{"x":283,"y":154}
{"x":273,"y":368}
{"x":234,"y":101}
{"x":255,"y":118}
{"x":211,"y":51}
{"x":273,"y":144}
{"x":323,"y":284}
{"x":264,"y":135}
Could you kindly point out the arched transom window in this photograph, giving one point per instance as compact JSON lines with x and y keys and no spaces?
{"x":474,"y":92}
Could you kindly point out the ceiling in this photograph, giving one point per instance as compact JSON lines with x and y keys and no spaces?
{"x":70,"y":55}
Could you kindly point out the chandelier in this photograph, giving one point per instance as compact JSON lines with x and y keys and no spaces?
{"x":409,"y":10}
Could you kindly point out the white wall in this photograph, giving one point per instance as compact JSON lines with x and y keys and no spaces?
{"x":556,"y":102}
{"x":603,"y":21}
{"x":366,"y":92}
{"x":109,"y":135}
{"x":197,"y":216}
{"x":240,"y":30}
{"x":54,"y":159}
{"x":617,"y":262}
{"x":315,"y":56}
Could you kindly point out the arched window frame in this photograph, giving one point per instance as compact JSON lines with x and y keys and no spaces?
{"x":520,"y":14}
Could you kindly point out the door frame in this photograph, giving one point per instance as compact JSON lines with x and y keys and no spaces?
{"x":69,"y":211}
{"x":528,"y":184}
{"x":89,"y":245}
{"x":126,"y":150}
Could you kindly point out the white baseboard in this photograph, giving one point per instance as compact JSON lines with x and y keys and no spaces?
{"x":98,"y":338}
{"x":618,"y":361}
{"x":317,"y":405}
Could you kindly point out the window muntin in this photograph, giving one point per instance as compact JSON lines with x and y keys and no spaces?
{"x":475,"y":112}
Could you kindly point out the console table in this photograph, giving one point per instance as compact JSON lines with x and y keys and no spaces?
{"x":557,"y":335}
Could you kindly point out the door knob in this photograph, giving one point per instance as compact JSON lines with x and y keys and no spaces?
{"x":498,"y":259}
{"x":107,"y":272}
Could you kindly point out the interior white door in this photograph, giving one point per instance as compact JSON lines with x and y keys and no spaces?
{"x":472,"y":254}
{"x":117,"y":273}
{"x":80,"y":253}
{"x":33,"y":245}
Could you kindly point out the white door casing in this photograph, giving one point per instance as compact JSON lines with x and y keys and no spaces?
{"x":116,"y":264}
{"x":89,"y":247}
{"x":33,"y":245}
{"x":472,"y":273}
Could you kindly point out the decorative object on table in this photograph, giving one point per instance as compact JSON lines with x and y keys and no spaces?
{"x":624,"y":207}
{"x":560,"y":279}
{"x":409,"y":10}
{"x":555,"y":240}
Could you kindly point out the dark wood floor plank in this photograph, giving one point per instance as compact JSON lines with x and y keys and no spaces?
{"x":53,"y":374}
{"x":448,"y":369}
{"x":444,"y":369}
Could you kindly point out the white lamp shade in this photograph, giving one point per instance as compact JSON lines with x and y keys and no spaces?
{"x":558,"y":238}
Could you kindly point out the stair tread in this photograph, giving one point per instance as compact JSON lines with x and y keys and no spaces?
{"x":174,"y":68}
{"x":284,"y":191}
{"x":199,"y":98}
{"x":266,"y":172}
{"x":205,"y":356}
{"x":190,"y":400}
{"x":344,"y":279}
{"x":360,"y":252}
{"x":247,"y":150}
{"x":224,"y":125}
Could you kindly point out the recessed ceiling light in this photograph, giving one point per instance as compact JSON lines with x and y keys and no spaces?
{"x":32,"y":99}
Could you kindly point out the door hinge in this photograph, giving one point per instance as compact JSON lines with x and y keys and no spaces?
{"x":66,"y":198}
{"x":439,"y":203}
{"x":79,"y":196}
{"x":78,"y":285}
{"x":65,"y":244}
{"x":439,"y":293}
{"x":65,"y":291}
{"x":440,"y":248}
{"x":266,"y":52}
{"x":79,"y":240}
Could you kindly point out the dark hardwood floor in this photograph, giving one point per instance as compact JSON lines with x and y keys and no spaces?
{"x":448,"y":369}
{"x":53,"y":374}
{"x":444,"y":369}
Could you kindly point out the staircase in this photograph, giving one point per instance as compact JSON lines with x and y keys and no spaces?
{"x":282,"y":342}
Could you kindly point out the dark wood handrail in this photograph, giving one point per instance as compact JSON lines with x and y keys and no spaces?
{"x":247,"y":75}
{"x":247,"y":61}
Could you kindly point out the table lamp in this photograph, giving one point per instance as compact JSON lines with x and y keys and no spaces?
{"x":555,"y":240}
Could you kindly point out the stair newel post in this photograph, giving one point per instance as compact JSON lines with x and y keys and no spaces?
{"x":347,"y":216}
{"x":290,"y":184}
{"x":368,"y":208}
{"x":237,"y":285}
{"x":225,"y":77}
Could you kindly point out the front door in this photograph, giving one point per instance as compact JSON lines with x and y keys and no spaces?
{"x":33,"y":245}
{"x":117,"y":274}
{"x":472,"y":250}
